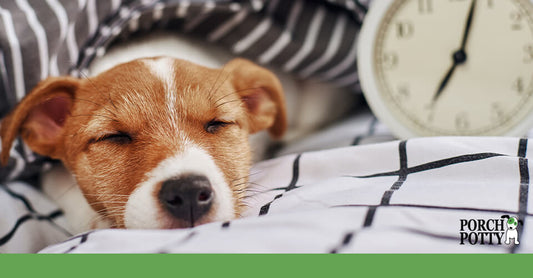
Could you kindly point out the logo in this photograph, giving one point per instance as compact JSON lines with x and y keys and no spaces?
{"x":511,"y":232}
{"x":501,"y":230}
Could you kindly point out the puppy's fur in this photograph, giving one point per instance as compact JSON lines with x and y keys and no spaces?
{"x":126,"y":131}
{"x":142,"y":124}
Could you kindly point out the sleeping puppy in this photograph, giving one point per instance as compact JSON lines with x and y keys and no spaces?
{"x":150,"y":140}
{"x":156,"y":142}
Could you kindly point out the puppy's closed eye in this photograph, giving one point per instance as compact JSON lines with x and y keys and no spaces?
{"x":215,"y":125}
{"x":119,"y":138}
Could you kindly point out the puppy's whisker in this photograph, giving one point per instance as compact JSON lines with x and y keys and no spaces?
{"x":96,"y":103}
{"x":210,"y":92}
{"x":247,"y":89}
{"x":255,"y":184}
{"x":261,"y":189}
{"x":100,"y":217}
{"x":240,"y":184}
{"x":223,"y":97}
{"x":108,"y":202}
{"x":222,"y":70}
{"x":221,"y":83}
{"x":247,"y":176}
{"x":107,"y":216}
{"x":237,"y":179}
{"x":94,"y":115}
{"x":89,"y":80}
{"x":111,"y":100}
{"x":98,"y":90}
{"x":235,"y":92}
{"x":109,"y":208}
{"x":108,"y":194}
{"x":229,"y":101}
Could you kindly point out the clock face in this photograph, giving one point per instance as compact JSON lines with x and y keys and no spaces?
{"x":454,"y":67}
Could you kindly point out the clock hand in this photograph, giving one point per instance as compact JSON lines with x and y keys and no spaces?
{"x":468,"y":24}
{"x":459,"y":56}
{"x":444,"y":82}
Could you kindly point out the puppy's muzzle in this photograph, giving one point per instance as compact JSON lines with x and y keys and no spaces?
{"x":187,"y":198}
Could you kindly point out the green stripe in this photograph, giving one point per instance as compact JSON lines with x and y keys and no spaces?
{"x":250,"y":265}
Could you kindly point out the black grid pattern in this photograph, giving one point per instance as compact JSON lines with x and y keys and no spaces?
{"x":405,"y":170}
{"x":291,"y":186}
{"x":350,"y":223}
{"x":293,"y":207}
{"x":24,"y":214}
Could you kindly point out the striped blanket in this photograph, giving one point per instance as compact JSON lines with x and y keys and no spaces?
{"x":313,"y":39}
{"x":335,"y":191}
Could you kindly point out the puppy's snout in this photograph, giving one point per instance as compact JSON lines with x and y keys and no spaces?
{"x":187,"y":198}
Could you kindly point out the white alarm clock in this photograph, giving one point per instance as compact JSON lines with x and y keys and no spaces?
{"x":449,"y":67}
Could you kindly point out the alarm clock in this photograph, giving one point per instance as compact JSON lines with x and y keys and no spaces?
{"x":453,"y":67}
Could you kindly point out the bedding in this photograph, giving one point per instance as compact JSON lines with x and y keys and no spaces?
{"x":393,"y":196}
{"x":348,"y":188}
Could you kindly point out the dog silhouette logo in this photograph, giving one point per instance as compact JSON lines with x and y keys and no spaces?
{"x":511,"y":231}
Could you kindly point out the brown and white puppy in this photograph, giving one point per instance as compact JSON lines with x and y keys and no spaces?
{"x":153,"y":143}
{"x":162,"y":142}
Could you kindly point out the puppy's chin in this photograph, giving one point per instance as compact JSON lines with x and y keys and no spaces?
{"x":168,"y":222}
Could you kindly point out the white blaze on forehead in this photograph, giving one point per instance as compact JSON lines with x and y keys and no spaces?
{"x":163,"y":69}
{"x":143,"y":209}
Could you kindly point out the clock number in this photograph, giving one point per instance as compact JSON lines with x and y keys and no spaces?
{"x":404,"y":29}
{"x":528,"y":53}
{"x":461,"y":121}
{"x":516,"y":21}
{"x":518,"y":85}
{"x":425,"y":6}
{"x":490,"y":4}
{"x":403,"y":92}
{"x":390,"y":60}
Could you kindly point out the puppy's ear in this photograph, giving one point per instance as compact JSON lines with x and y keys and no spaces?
{"x":39,"y":118}
{"x":262,"y":94}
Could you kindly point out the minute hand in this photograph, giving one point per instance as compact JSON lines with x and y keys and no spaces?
{"x":468,"y":24}
{"x":459,"y":56}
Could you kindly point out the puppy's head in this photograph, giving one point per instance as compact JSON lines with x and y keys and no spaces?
{"x":512,"y":223}
{"x":156,"y":142}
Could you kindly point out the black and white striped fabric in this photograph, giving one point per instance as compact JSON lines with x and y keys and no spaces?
{"x":310,"y":38}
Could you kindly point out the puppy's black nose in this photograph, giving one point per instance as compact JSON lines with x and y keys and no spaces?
{"x":187,"y":198}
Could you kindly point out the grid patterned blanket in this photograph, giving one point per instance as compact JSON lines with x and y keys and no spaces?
{"x":335,"y":191}
{"x":338,"y":190}
{"x":421,"y":195}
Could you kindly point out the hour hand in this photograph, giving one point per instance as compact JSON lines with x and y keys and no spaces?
{"x":444,"y":82}
{"x":459,"y":57}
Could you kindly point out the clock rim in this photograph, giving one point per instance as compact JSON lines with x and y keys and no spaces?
{"x":368,"y":81}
